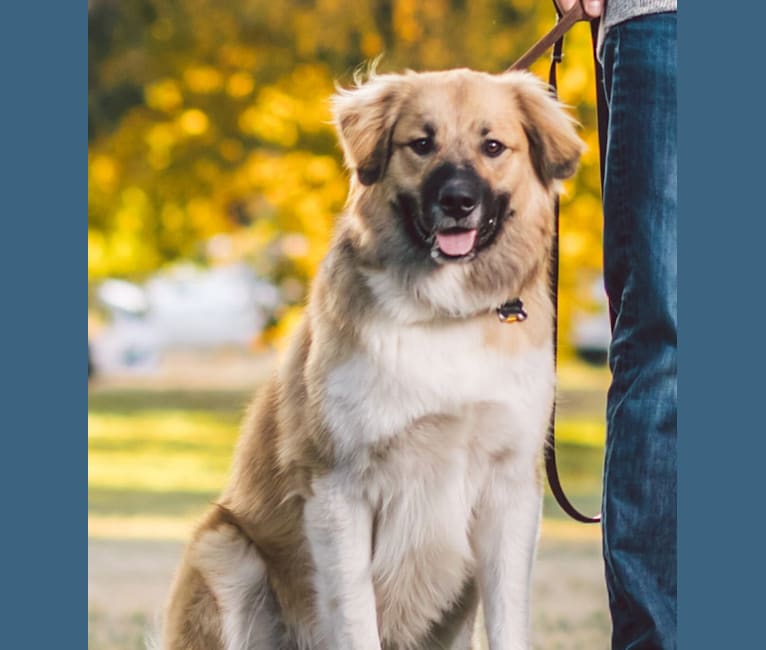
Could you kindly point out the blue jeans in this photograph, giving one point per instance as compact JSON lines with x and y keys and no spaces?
{"x":639,"y":502}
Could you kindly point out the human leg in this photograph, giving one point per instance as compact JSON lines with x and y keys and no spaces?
{"x":640,"y":200}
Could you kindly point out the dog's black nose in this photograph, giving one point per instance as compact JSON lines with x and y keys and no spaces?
{"x":458,"y":198}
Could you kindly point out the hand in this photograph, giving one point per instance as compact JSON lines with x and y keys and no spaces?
{"x":592,"y":7}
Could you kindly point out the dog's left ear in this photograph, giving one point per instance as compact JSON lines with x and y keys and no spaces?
{"x":554,"y":145}
{"x":365,"y":118}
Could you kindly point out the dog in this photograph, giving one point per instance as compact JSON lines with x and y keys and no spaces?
{"x":388,"y":479}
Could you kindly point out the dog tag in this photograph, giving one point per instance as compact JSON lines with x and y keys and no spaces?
{"x":512,"y":311}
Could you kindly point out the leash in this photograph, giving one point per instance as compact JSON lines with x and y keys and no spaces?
{"x":555,"y":38}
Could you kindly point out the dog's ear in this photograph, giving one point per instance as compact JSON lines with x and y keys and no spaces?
{"x":554,"y":145}
{"x":365,"y":117}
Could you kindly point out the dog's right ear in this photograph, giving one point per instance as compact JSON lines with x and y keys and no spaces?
{"x":365,"y":117}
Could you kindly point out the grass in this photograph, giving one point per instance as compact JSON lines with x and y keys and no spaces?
{"x":159,"y":450}
{"x":125,"y":633}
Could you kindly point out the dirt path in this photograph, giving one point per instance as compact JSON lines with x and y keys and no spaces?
{"x":128,"y":583}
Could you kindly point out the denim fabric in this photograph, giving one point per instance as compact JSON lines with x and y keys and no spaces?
{"x":640,"y":198}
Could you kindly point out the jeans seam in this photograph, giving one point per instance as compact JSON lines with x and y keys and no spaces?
{"x":616,"y":157}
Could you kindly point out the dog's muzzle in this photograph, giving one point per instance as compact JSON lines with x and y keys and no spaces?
{"x":456,"y":215}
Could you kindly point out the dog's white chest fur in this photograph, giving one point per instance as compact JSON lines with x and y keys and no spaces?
{"x":408,"y":372}
{"x":418,"y":416}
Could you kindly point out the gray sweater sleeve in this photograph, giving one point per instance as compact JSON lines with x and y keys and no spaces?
{"x":617,"y":11}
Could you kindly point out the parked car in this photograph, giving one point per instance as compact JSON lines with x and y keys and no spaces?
{"x":591,"y":332}
{"x":184,"y":307}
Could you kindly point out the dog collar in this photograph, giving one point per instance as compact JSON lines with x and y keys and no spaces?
{"x":512,"y":311}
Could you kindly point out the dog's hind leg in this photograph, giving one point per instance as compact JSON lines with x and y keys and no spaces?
{"x":222,"y":599}
{"x":236,"y":575}
{"x":192,"y":619}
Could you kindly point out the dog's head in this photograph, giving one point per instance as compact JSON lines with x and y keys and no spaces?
{"x":457,"y":167}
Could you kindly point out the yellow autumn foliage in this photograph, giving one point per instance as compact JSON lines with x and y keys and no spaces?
{"x":212,"y":116}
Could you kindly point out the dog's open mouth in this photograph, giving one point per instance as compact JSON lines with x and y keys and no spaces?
{"x":451,"y":242}
{"x":455,"y":242}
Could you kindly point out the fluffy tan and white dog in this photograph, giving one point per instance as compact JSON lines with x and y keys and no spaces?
{"x":387,"y":477}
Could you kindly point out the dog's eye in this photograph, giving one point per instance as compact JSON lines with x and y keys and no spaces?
{"x":422,"y":146}
{"x":492,"y":148}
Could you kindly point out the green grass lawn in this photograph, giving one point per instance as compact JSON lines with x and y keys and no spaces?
{"x":156,"y":458}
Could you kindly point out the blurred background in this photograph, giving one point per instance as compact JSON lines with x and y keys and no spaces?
{"x":214,"y":179}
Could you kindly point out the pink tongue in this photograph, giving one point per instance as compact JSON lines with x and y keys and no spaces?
{"x":456,"y":243}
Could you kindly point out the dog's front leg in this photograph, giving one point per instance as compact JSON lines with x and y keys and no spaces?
{"x":505,"y":538}
{"x":339,"y":530}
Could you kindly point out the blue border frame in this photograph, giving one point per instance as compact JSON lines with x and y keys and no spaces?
{"x":721,"y":421}
{"x":43,"y":49}
{"x":44,"y":52}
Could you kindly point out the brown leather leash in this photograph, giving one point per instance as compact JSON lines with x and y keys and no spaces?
{"x":555,"y":38}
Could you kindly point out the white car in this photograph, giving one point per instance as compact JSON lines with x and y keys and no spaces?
{"x":591,"y":331}
{"x":184,"y":307}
